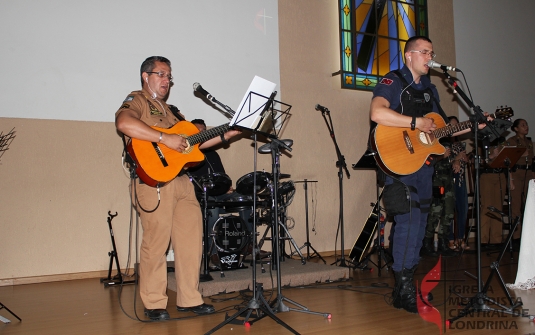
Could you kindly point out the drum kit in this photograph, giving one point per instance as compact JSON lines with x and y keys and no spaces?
{"x":230,"y":237}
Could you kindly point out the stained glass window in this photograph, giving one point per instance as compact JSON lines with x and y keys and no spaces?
{"x":372,"y":37}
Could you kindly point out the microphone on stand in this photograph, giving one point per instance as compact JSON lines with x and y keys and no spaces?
{"x":433,"y":64}
{"x":197,"y":87}
{"x":322,"y":109}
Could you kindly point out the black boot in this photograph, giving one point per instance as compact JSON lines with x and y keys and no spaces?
{"x":428,"y":249}
{"x":444,"y":249}
{"x":404,"y":293}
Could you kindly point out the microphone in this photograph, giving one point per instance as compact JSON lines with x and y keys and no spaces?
{"x":433,"y":64}
{"x":322,"y":109}
{"x":197,"y":87}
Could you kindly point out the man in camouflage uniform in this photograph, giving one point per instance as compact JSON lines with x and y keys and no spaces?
{"x":442,"y":208}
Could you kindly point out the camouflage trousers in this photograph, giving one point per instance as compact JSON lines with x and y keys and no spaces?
{"x":442,"y":209}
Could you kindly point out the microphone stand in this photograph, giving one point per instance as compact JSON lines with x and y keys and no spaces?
{"x":341,"y":164}
{"x":479,"y":301}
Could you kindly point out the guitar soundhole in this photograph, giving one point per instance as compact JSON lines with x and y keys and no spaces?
{"x":425,"y":138}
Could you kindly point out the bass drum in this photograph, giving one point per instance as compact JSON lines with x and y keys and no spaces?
{"x":245,"y":185}
{"x":230,"y":239}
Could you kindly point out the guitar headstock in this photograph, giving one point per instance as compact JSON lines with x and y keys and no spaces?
{"x":503,"y":113}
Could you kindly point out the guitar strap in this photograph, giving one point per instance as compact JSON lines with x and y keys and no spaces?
{"x":176,"y":112}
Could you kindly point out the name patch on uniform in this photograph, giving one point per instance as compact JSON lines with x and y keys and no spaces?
{"x":386,"y":81}
{"x":128,"y":98}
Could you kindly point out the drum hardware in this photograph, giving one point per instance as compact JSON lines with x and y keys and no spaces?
{"x":205,"y":276}
{"x":216,"y":183}
{"x":245,"y":186}
{"x":278,"y":203}
{"x":286,"y":187}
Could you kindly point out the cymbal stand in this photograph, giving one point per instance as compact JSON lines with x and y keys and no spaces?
{"x":307,"y":244}
{"x":341,"y":164}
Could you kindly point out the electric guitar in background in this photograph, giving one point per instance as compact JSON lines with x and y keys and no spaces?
{"x":403,"y":151}
{"x":158,"y":164}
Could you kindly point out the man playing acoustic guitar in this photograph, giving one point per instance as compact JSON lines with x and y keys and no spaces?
{"x":169,"y":211}
{"x":403,"y":99}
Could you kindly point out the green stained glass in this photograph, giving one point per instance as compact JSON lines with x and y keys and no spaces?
{"x":372,"y":36}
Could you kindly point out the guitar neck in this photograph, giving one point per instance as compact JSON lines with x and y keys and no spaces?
{"x":208,"y":134}
{"x":452,"y":129}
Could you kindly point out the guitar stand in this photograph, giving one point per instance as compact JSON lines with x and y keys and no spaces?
{"x":6,"y":320}
{"x":118,"y":278}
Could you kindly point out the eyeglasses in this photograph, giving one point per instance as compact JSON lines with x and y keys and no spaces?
{"x":426,"y":52}
{"x":162,"y":75}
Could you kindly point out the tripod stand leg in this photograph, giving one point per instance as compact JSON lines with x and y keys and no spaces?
{"x":314,"y":253}
{"x":478,"y":302}
{"x":258,"y":303}
{"x":5,"y":320}
{"x":292,"y":241}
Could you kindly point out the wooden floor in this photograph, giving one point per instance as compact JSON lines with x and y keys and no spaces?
{"x":359,"y":305}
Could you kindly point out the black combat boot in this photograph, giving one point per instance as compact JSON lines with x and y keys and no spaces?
{"x":428,"y":248}
{"x":444,"y":249}
{"x":404,"y":293}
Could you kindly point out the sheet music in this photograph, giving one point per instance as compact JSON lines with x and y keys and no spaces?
{"x":248,"y":112}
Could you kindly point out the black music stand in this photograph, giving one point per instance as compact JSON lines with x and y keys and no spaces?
{"x":268,"y":114}
{"x":361,"y":245}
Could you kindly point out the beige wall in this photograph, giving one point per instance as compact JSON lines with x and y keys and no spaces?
{"x":60,"y":178}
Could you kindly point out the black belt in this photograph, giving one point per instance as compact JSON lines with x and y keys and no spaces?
{"x":522,"y":167}
{"x":491,"y":170}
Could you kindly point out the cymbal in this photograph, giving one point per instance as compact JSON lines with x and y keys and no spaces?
{"x":284,"y":175}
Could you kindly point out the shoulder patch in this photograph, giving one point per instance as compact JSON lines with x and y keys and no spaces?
{"x":128,"y":98}
{"x":386,"y":81}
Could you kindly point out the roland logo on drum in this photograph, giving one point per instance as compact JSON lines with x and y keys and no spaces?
{"x":234,"y":233}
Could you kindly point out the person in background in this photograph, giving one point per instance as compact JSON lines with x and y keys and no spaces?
{"x":522,"y":172}
{"x":459,"y":163}
{"x":443,"y":206}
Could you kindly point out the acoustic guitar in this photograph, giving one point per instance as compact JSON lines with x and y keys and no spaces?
{"x":158,"y":164}
{"x":403,"y":151}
